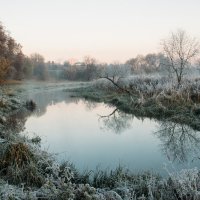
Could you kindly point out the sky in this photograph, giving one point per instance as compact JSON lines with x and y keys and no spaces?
{"x":109,"y":30}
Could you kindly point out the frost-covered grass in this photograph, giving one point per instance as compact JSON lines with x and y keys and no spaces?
{"x":156,"y":86}
{"x":27,"y":172}
{"x":182,"y":185}
{"x":153,"y":96}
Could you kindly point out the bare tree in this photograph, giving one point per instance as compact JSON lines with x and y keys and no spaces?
{"x":90,"y":67}
{"x":114,"y":73}
{"x":39,"y":66}
{"x":180,"y":49}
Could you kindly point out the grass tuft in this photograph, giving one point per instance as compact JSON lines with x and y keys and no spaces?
{"x":18,"y":164}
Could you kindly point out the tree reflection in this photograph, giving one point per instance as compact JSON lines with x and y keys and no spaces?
{"x":14,"y":123}
{"x":45,"y":99}
{"x":116,"y":121}
{"x":179,"y":141}
{"x":90,"y":105}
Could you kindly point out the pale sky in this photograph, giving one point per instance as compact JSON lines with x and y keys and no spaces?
{"x":109,"y":30}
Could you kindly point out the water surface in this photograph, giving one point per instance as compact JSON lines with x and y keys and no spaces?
{"x":94,"y":134}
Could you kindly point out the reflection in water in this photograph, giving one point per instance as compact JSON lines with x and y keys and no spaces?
{"x":89,"y":104}
{"x":116,"y":121}
{"x":91,"y":137}
{"x":73,"y":131}
{"x":15,"y":123}
{"x":179,"y":142}
{"x":48,"y":98}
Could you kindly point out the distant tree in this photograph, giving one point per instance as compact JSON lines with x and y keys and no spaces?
{"x":136,"y":63}
{"x":10,"y":55}
{"x":13,"y":48}
{"x":180,"y":49}
{"x":163,"y":61}
{"x":39,"y":67}
{"x":28,"y":68}
{"x":91,"y":67}
{"x":36,"y":58}
{"x":18,"y":65}
{"x":3,"y":41}
{"x":147,"y":64}
{"x":71,"y":73}
{"x":4,"y":67}
{"x":152,"y":63}
{"x":66,"y":64}
{"x":114,"y":73}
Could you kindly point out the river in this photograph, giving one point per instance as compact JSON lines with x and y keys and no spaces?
{"x":95,"y":135}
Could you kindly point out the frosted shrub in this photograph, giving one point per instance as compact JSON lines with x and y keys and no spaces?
{"x":103,"y":84}
{"x":185,"y":183}
{"x":155,"y":86}
{"x":10,"y":192}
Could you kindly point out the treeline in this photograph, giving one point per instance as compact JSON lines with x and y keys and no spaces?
{"x":15,"y":65}
{"x":90,"y":69}
{"x":10,"y":56}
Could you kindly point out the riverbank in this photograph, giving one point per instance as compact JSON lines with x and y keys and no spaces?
{"x":172,"y":107}
{"x":27,"y":172}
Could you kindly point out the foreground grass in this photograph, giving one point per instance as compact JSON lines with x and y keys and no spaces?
{"x":27,"y":172}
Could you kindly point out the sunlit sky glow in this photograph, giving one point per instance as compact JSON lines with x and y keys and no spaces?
{"x":110,"y":30}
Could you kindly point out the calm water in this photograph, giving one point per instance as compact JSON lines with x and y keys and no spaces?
{"x":94,"y":134}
